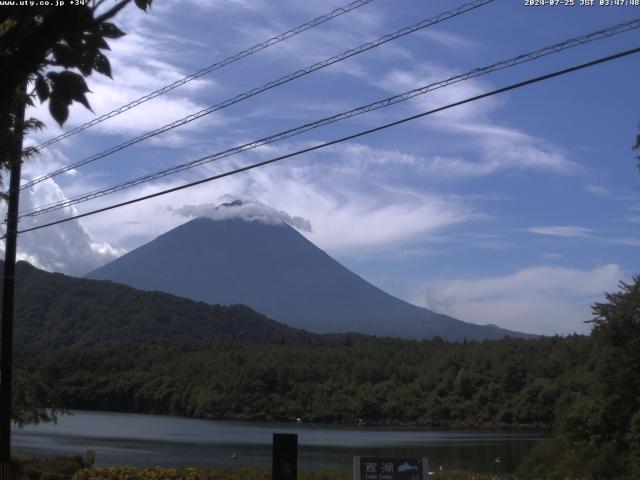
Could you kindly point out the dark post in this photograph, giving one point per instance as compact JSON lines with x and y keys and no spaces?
{"x":285,"y":456}
{"x":7,"y":295}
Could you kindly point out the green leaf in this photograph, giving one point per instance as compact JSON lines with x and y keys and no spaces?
{"x":65,"y":55}
{"x":59,"y":110}
{"x":53,"y":76}
{"x":81,"y":98}
{"x":97,"y":41}
{"x":109,"y":30}
{"x":143,"y":4}
{"x":86,"y":64}
{"x":68,"y":83}
{"x":33,"y":124}
{"x":101,"y":65}
{"x":68,"y":87}
{"x":42,"y":88}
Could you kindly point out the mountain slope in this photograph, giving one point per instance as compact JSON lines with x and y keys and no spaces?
{"x":54,"y":310}
{"x":275,"y":270}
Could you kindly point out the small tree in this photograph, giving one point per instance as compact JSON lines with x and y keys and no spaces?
{"x":616,"y":330}
{"x":45,"y":52}
{"x":597,"y":435}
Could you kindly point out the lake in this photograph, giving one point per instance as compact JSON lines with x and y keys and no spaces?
{"x":148,"y":440}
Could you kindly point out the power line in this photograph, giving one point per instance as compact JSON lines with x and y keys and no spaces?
{"x":343,"y":139}
{"x":215,"y":66}
{"x":523,"y":58}
{"x":267,"y":86}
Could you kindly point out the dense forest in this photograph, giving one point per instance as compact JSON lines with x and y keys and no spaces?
{"x":494,"y":383}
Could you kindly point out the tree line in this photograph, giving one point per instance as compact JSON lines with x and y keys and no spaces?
{"x":509,"y":382}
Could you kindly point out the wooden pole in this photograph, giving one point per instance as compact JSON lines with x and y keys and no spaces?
{"x":6,"y":331}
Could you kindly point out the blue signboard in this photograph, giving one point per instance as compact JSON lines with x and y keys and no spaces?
{"x":380,"y":468}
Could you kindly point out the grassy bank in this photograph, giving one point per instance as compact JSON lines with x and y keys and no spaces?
{"x":240,"y":473}
{"x":73,"y":468}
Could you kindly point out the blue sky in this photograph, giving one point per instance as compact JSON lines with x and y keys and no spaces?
{"x":518,"y":210}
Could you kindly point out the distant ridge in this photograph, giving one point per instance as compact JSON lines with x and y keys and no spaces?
{"x":54,"y":310}
{"x":277,"y":271}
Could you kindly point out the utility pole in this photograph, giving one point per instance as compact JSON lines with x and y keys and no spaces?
{"x":6,"y":342}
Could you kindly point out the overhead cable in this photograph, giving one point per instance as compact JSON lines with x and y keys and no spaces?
{"x":340,"y":140}
{"x":523,"y":58}
{"x":204,"y":71}
{"x":267,"y":86}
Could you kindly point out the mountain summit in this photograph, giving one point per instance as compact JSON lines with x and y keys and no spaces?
{"x":275,"y":270}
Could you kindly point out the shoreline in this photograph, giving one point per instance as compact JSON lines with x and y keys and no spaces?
{"x":387,"y":425}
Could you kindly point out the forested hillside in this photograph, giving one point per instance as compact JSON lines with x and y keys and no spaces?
{"x":54,"y":310}
{"x":508,"y":382}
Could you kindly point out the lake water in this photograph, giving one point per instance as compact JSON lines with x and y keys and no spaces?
{"x":148,"y":440}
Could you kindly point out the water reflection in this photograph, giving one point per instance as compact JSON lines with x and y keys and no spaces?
{"x":144,"y":440}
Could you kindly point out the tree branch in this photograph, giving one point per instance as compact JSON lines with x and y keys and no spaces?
{"x":112,"y":11}
{"x":97,"y":4}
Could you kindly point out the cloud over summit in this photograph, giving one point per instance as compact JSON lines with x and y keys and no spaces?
{"x":250,"y":211}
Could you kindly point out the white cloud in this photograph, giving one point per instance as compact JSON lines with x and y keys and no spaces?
{"x":575,"y":231}
{"x":551,"y":256}
{"x":497,"y":148}
{"x":541,"y":299}
{"x":399,"y":80}
{"x":353,"y":201}
{"x":67,"y":248}
{"x":221,"y":4}
{"x":448,"y":39}
{"x":362,"y":224}
{"x":141,"y":62}
{"x":562,"y":231}
{"x":597,"y":190}
{"x":45,"y":160}
{"x":507,"y":151}
{"x":353,"y":205}
{"x":247,"y":210}
{"x":458,"y":167}
{"x":504,"y":148}
{"x":627,"y":241}
{"x":616,"y":194}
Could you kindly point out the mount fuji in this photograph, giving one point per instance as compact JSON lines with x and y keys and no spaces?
{"x":272,"y":268}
